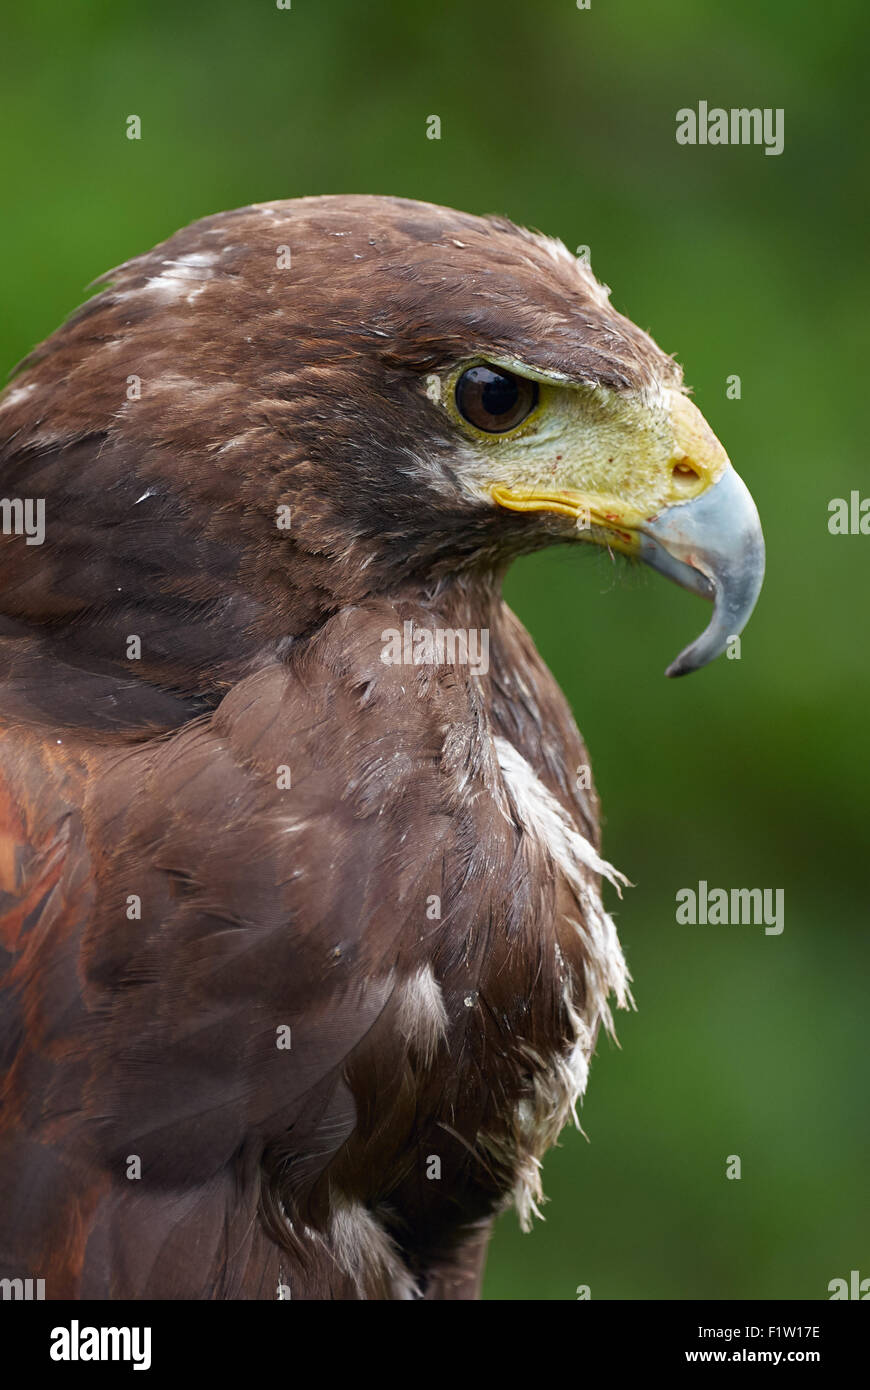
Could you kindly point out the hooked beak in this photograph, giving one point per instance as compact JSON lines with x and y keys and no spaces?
{"x":712,"y":545}
{"x":696,"y":523}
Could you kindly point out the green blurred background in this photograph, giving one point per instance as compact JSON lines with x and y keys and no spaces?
{"x":751,"y":773}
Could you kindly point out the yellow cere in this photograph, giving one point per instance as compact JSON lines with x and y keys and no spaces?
{"x":618,"y":457}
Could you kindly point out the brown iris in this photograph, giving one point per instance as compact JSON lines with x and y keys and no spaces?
{"x":494,"y":400}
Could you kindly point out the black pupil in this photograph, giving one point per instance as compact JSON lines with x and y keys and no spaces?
{"x":498,"y":393}
{"x":494,"y":400}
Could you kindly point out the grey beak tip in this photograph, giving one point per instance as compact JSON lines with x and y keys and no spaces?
{"x":692,"y":658}
{"x":715,"y":547}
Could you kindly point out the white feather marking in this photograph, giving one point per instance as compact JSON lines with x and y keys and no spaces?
{"x":542,"y":815}
{"x":422,"y":1018}
{"x":16,"y":394}
{"x":538,"y":812}
{"x":364,"y":1251}
{"x":557,"y":1083}
{"x":195,"y":258}
{"x":559,"y":1080}
{"x":176,"y":275}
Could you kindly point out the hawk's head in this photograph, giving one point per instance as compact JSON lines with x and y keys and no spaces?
{"x":427,"y":392}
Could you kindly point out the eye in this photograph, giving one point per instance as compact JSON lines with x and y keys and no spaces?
{"x":495,"y":400}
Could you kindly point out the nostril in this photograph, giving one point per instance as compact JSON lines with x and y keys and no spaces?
{"x":684,"y":472}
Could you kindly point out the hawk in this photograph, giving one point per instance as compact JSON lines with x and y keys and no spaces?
{"x":304,"y":951}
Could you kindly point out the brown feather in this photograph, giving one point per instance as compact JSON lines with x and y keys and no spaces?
{"x":157,"y":779}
